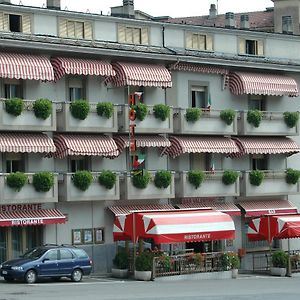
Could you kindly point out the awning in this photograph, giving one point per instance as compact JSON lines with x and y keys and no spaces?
{"x":26,"y":143}
{"x":24,"y":66}
{"x":32,"y":217}
{"x":78,"y":66}
{"x":84,"y":144}
{"x":268,"y":227}
{"x":262,"y":84}
{"x":186,"y":67}
{"x":262,"y":207}
{"x":266,"y":145}
{"x":146,"y":141}
{"x":180,"y":226}
{"x":199,"y":203}
{"x":141,"y":75}
{"x":200,"y":144}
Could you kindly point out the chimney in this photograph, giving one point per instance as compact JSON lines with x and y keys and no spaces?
{"x":5,"y":2}
{"x":128,"y":8}
{"x":287,"y":25}
{"x":244,"y":22}
{"x":229,"y":20}
{"x":53,"y":4}
{"x":212,"y":11}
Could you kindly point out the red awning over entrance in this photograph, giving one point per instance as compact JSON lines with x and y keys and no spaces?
{"x":32,"y":217}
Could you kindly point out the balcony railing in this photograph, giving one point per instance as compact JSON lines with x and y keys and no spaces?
{"x":26,"y":121}
{"x":96,"y":192}
{"x":27,"y":194}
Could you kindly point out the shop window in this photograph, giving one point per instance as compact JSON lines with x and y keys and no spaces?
{"x":15,"y":162}
{"x":257,"y":102}
{"x":199,"y":41}
{"x":259,"y":162}
{"x":198,"y":97}
{"x":133,"y":35}
{"x":13,"y":89}
{"x":79,"y":164}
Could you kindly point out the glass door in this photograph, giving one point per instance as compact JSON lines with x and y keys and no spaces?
{"x":3,"y":244}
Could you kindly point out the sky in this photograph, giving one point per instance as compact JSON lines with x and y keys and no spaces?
{"x":172,"y":8}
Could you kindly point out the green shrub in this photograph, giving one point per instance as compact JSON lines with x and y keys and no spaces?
{"x":121,"y":260}
{"x":279,"y":259}
{"x":43,"y":181}
{"x":144,"y":261}
{"x":230,"y":177}
{"x":256,"y":177}
{"x":291,"y":118}
{"x":82,"y":179}
{"x":141,"y":181}
{"x":80,"y":109}
{"x":227,"y":115}
{"x":161,"y":111}
{"x":234,"y":261}
{"x":254,"y":117}
{"x":193,"y":114}
{"x":292,"y":176}
{"x":195,"y":177}
{"x":16,"y":180}
{"x":107,"y":179}
{"x":162,"y":179}
{"x":42,"y":108}
{"x":105,"y":109}
{"x":141,"y":111}
{"x":14,"y":106}
{"x":225,"y":261}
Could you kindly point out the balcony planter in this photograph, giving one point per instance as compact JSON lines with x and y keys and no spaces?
{"x":279,"y":263}
{"x":228,"y":116}
{"x":161,"y":111}
{"x":254,"y":117}
{"x":107,"y":179}
{"x":16,"y":180}
{"x":121,"y":263}
{"x":193,"y":114}
{"x":42,"y":108}
{"x":229,"y":177}
{"x":43,"y":181}
{"x":14,"y":106}
{"x":291,"y":118}
{"x":82,"y":180}
{"x":143,"y":266}
{"x":79,"y":109}
{"x":292,"y":176}
{"x":141,"y":111}
{"x":105,"y":109}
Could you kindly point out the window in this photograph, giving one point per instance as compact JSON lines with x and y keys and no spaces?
{"x":251,"y":47}
{"x":199,"y":41}
{"x":259,"y":162}
{"x":198,"y":97}
{"x":79,"y":164}
{"x":76,"y":89}
{"x":201,"y":161}
{"x":15,"y":23}
{"x":257,"y":102}
{"x":52,"y":255}
{"x":12,"y":89}
{"x":133,"y":35}
{"x":66,"y":254}
{"x":14,"y":162}
{"x":75,"y":29}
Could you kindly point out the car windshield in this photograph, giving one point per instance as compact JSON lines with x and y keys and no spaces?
{"x":34,"y":253}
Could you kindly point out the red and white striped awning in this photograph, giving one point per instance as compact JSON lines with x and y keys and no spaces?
{"x":180,"y":226}
{"x":26,"y":143}
{"x":25,"y":66}
{"x":32,"y":217}
{"x":266,"y":145}
{"x":262,"y":84}
{"x":79,"y":66}
{"x":261,"y":207}
{"x":146,"y":141}
{"x":200,"y":144}
{"x":141,"y":75}
{"x":186,"y":67}
{"x":84,"y":144}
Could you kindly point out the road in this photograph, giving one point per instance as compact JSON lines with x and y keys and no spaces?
{"x":243,"y":288}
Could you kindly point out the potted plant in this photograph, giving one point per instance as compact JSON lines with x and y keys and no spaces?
{"x":230,"y":177}
{"x":161,"y":111}
{"x":279,"y":263}
{"x":254,"y":117}
{"x":193,"y":114}
{"x":82,"y":180}
{"x":227,"y":115}
{"x":121,"y":263}
{"x":143,"y":266}
{"x":256,"y":177}
{"x":80,"y":109}
{"x":141,"y":111}
{"x":195,"y":177}
{"x":141,"y":180}
{"x":16,"y":180}
{"x":14,"y":106}
{"x":43,"y":181}
{"x":292,"y":176}
{"x":225,"y":261}
{"x":42,"y":108}
{"x":105,"y":109}
{"x":162,"y":179}
{"x":291,"y":118}
{"x":235,"y":264}
{"x":107,"y":179}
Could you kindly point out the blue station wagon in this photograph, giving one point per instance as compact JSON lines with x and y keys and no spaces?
{"x":48,"y":262}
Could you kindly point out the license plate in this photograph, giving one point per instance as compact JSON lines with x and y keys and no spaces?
{"x":4,"y":272}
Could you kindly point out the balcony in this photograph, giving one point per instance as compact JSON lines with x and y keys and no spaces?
{"x":272,"y":123}
{"x":93,"y":122}
{"x":28,"y":194}
{"x":149,"y":125}
{"x":67,"y":191}
{"x":273,"y":184}
{"x":209,"y":123}
{"x":130,"y":192}
{"x":27,"y":121}
{"x":212,"y":186}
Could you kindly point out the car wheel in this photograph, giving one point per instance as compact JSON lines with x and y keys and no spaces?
{"x":8,"y":279}
{"x":76,"y":275}
{"x":30,"y":276}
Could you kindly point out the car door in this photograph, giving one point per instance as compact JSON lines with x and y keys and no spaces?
{"x":66,"y":262}
{"x":49,"y":263}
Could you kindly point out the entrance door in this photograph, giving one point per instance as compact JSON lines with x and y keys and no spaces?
{"x":3,"y":244}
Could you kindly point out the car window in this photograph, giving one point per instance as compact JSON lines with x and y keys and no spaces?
{"x":80,"y":253}
{"x":52,"y":255}
{"x":66,"y":254}
{"x":34,"y":253}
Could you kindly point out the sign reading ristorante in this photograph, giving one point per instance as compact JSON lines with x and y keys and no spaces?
{"x":20,"y":207}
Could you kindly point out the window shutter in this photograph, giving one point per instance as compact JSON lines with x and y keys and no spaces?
{"x":70,"y":29}
{"x":26,"y":23}
{"x":209,"y":43}
{"x":5,"y":22}
{"x":121,"y":33}
{"x":136,"y":35}
{"x":145,"y":36}
{"x":202,"y":39}
{"x":1,"y":21}
{"x":79,"y":27}
{"x":260,"y":48}
{"x":188,"y":40}
{"x":242,"y":46}
{"x":88,"y":30}
{"x":129,"y":35}
{"x":63,"y":28}
{"x":195,"y":42}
